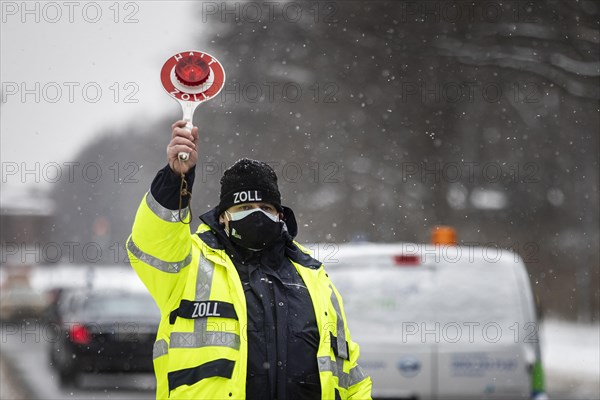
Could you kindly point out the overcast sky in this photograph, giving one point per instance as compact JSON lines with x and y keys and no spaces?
{"x":69,"y":71}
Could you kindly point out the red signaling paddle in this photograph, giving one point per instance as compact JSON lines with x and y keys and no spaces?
{"x":191,"y":77}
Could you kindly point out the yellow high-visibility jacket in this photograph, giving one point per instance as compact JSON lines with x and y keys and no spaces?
{"x":201,"y":347}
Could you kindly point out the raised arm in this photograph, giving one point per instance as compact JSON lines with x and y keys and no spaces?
{"x":159,"y":246}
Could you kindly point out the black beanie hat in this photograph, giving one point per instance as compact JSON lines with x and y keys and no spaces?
{"x":249,"y":181}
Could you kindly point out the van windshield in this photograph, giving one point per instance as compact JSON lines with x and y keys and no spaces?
{"x":385,"y":296}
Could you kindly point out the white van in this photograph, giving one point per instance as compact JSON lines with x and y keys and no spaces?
{"x":440,"y":322}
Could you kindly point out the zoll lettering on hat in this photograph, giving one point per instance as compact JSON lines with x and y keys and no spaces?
{"x":192,"y":77}
{"x":246,"y":197}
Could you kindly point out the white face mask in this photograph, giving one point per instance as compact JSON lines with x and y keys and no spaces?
{"x":236,"y":216}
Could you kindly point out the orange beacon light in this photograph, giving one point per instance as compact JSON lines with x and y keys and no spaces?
{"x":443,"y":234}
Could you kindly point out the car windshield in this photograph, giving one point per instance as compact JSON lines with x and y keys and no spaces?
{"x":121,"y":305}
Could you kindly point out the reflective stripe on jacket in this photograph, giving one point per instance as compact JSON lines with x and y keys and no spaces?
{"x":202,"y":352}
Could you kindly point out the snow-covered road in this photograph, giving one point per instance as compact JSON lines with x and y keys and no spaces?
{"x":571,"y":356}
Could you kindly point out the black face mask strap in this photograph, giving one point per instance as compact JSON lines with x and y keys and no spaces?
{"x":183,"y":191}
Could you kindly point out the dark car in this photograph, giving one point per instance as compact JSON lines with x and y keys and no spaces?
{"x":103,"y":331}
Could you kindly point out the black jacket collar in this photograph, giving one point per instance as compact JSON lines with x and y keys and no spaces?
{"x":217,"y":239}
